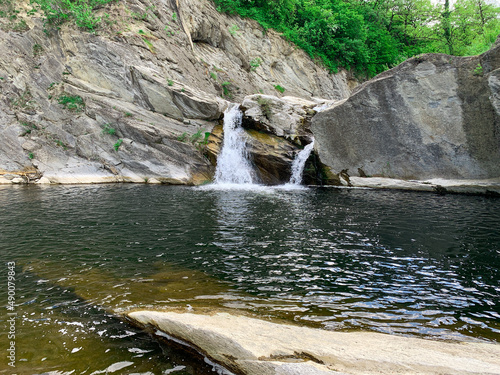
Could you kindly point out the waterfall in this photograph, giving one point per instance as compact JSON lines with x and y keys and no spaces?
{"x":233,"y":166}
{"x":299,"y":163}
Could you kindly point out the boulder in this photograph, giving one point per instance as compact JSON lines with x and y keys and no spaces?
{"x":432,"y":116}
{"x":286,"y":117}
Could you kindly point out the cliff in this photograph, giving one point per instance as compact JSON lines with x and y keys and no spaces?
{"x":134,"y":101}
{"x":432,"y":116}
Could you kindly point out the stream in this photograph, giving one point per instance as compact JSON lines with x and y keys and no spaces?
{"x":404,"y":263}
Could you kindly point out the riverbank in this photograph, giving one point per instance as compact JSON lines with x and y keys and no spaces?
{"x":490,"y":187}
{"x":251,"y":346}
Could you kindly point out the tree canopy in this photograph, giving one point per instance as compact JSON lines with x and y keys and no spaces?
{"x":370,"y":36}
{"x":365,"y":36}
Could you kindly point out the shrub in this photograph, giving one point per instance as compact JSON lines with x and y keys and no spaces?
{"x":117,"y":145}
{"x":107,"y":129}
{"x":73,"y":103}
{"x":279,"y":88}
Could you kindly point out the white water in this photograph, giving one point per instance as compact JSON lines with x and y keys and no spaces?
{"x":233,"y":165}
{"x":299,"y":163}
{"x":234,"y":170}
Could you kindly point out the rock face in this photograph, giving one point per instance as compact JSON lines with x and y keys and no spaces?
{"x":255,"y":347}
{"x":432,"y":116}
{"x":133,"y":101}
{"x":277,"y":129}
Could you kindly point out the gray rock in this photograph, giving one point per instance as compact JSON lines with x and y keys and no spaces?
{"x":432,"y":116}
{"x":146,"y":84}
{"x":255,"y":347}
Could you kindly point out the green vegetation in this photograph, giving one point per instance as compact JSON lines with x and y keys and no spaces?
{"x":27,"y":128}
{"x":170,"y":82}
{"x":213,"y":75}
{"x":37,"y":50}
{"x":72,"y":102}
{"x":233,"y":30}
{"x":198,"y":139}
{"x":107,"y":129}
{"x":128,"y":114}
{"x":279,"y":88}
{"x":370,"y":36}
{"x":226,"y":90}
{"x":149,"y":44}
{"x":117,"y":145}
{"x":81,"y":11}
{"x":478,"y":70}
{"x":255,"y":63}
{"x":61,"y":144}
{"x":265,"y":107}
{"x":174,"y":16}
{"x":25,"y":100}
{"x":183,"y":138}
{"x":31,"y":155}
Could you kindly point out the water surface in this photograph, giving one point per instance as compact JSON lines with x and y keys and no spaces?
{"x":398,"y":262}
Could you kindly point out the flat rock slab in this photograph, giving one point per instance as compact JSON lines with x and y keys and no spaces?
{"x":245,"y":345}
{"x":486,"y":186}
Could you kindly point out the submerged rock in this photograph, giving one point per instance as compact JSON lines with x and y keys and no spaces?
{"x":250,"y":346}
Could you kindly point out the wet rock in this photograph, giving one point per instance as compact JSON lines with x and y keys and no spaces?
{"x":250,"y":346}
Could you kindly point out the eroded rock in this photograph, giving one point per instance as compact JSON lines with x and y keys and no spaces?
{"x":432,"y":116}
{"x":255,"y":347}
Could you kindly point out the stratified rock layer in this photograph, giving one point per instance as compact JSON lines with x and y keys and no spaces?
{"x":254,"y":347}
{"x":432,"y":116}
{"x":151,"y":82}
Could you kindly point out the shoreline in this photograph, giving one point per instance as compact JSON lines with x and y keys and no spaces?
{"x":487,"y":187}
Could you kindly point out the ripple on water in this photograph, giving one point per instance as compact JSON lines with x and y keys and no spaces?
{"x":386,"y":261}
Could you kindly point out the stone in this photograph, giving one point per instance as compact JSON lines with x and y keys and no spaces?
{"x":149,"y":87}
{"x":432,"y":116}
{"x":250,"y":346}
{"x":286,"y":117}
{"x":18,"y":180}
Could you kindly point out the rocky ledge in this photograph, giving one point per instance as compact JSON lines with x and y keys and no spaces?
{"x":245,"y":345}
{"x":489,"y":187}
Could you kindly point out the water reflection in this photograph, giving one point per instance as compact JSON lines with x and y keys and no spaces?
{"x":340,"y":259}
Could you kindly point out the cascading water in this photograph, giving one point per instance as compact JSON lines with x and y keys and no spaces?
{"x":233,"y":166}
{"x":299,"y":163}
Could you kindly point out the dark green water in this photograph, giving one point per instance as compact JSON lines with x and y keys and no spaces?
{"x":396,"y":262}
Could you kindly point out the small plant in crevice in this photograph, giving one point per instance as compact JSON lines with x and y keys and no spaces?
{"x":213,"y":75}
{"x":128,"y":114}
{"x":61,"y":144}
{"x":28,"y":128}
{"x":233,"y":30}
{"x":25,"y":100}
{"x":170,"y":82}
{"x":149,"y":45}
{"x":198,"y":139}
{"x":255,"y":63}
{"x":117,"y":145}
{"x":183,"y":137}
{"x":279,"y":88}
{"x":31,"y":156}
{"x":73,"y":103}
{"x":107,"y":129}
{"x":174,"y":16}
{"x":265,"y":107}
{"x":37,"y":50}
{"x":478,"y":70}
{"x":226,"y":90}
